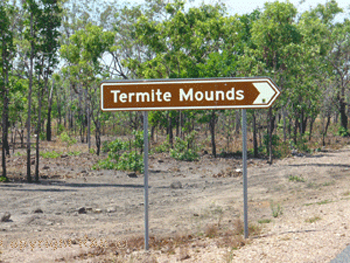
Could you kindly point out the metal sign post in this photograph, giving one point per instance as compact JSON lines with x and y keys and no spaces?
{"x":245,"y":174}
{"x":145,"y":159}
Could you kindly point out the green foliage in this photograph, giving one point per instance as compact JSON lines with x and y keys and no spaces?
{"x":302,"y":144}
{"x":275,"y":143}
{"x":3,"y":179}
{"x":343,"y":132}
{"x":121,"y":155}
{"x":60,"y":129}
{"x":295,"y":178}
{"x":114,"y":149}
{"x":54,"y":154}
{"x":131,"y":161}
{"x":75,"y":153}
{"x":128,"y":161}
{"x":185,"y":150}
{"x":264,"y":221}
{"x":50,"y":155}
{"x":65,"y":138}
{"x":107,"y":164}
{"x":42,"y":136}
{"x":164,"y":147}
{"x":138,"y":142}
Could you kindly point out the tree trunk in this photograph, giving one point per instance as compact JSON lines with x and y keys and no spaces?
{"x":59,"y":111}
{"x":13,"y":140}
{"x":255,"y":141}
{"x":212,"y":123}
{"x":81,"y":116}
{"x":284,"y":125}
{"x":181,"y":125}
{"x":98,"y":136}
{"x":152,"y":132}
{"x":88,"y":127}
{"x":343,"y":117}
{"x":312,"y":121}
{"x":37,"y":153}
{"x":269,"y":132}
{"x":170,"y":130}
{"x":5,"y":145}
{"x":238,"y":122}
{"x":31,"y":68}
{"x":324,"y":134}
{"x":295,"y":130}
{"x":48,"y":124}
{"x":178,"y":126}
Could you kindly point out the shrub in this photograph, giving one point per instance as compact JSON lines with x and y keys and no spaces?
{"x":131,"y":161}
{"x":275,"y":143}
{"x":343,"y":132}
{"x":3,"y":179}
{"x":65,"y":138}
{"x":50,"y":155}
{"x":121,"y":156}
{"x":164,"y":147}
{"x":295,"y":178}
{"x":185,"y":150}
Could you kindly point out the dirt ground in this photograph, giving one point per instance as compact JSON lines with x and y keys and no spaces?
{"x":299,"y":208}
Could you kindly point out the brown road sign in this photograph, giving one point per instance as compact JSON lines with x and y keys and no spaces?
{"x":181,"y":94}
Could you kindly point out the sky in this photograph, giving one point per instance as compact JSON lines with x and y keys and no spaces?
{"x":247,"y":6}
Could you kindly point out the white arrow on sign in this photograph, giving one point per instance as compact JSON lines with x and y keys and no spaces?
{"x":266,"y":93}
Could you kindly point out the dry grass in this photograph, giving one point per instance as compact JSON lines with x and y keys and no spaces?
{"x":179,"y":244}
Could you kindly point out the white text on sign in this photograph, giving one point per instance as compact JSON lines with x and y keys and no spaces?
{"x":190,"y":95}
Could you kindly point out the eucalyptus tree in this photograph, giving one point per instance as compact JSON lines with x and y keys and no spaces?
{"x":47,"y":47}
{"x":41,"y":20}
{"x":275,"y":35}
{"x":317,"y":65}
{"x":83,"y":56}
{"x":339,"y":60}
{"x":31,"y":22}
{"x":186,"y":43}
{"x":7,"y":51}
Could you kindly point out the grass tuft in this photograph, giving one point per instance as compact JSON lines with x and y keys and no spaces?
{"x":313,"y":219}
{"x":295,"y":178}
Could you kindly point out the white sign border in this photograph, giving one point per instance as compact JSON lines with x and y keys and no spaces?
{"x":188,"y":81}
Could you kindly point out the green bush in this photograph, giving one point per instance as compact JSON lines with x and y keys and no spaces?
{"x":185,"y":150}
{"x":50,"y":155}
{"x":42,"y":136}
{"x":131,"y":161}
{"x":105,"y":146}
{"x":75,"y":153}
{"x":64,"y":137}
{"x":343,"y":132}
{"x":275,"y":143}
{"x":60,"y":128}
{"x":121,"y":156}
{"x":107,"y":164}
{"x":3,"y":179}
{"x":138,"y":142}
{"x":295,"y":178}
{"x":164,"y":147}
